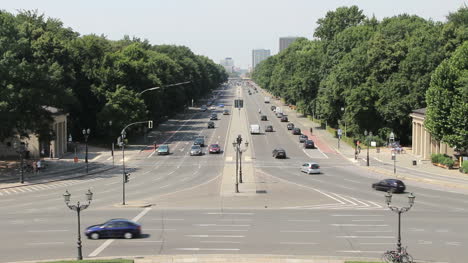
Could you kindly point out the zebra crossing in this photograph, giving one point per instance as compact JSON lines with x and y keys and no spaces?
{"x":343,"y":202}
{"x":45,"y":186}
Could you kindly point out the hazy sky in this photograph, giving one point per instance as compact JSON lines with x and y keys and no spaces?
{"x":216,"y":28}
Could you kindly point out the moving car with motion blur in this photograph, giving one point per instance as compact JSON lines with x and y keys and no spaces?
{"x":225,"y":112}
{"x":309,"y":144}
{"x":310,"y":168}
{"x":290,"y":126}
{"x":114,"y":228}
{"x":279,"y":153}
{"x":263,"y":118}
{"x":211,"y":125}
{"x":392,"y":185}
{"x":214,"y":148}
{"x":269,"y":128}
{"x":284,"y":119}
{"x":163,"y":149}
{"x":200,"y":140}
{"x":213,"y":116}
{"x":196,"y":150}
{"x":296,"y":131}
{"x":303,"y":138}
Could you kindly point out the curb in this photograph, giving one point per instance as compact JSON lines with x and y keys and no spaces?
{"x":60,"y":179}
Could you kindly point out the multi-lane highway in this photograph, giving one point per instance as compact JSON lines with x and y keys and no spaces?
{"x":335,"y":213}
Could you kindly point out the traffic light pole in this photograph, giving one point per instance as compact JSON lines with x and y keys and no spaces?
{"x":123,"y":171}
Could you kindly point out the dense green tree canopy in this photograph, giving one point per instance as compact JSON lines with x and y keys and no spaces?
{"x":365,"y":73}
{"x":92,"y":78}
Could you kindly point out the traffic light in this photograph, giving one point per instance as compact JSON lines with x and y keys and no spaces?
{"x":127,"y":177}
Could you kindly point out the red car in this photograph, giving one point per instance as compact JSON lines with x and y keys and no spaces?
{"x":214,"y":148}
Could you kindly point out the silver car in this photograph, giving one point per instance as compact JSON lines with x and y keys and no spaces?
{"x":196,"y":150}
{"x":310,"y":168}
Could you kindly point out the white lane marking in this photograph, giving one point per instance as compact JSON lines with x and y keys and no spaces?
{"x":216,"y":213}
{"x":1,"y":193}
{"x":151,"y":154}
{"x":326,"y":156}
{"x":109,"y":241}
{"x":208,"y":249}
{"x":303,"y":220}
{"x":146,"y":241}
{"x":355,"y":215}
{"x":160,"y":229}
{"x":45,"y":243}
{"x":377,"y":243}
{"x":220,"y":225}
{"x":234,"y":236}
{"x":357,"y":251}
{"x":229,"y":219}
{"x":298,"y":243}
{"x":300,"y":231}
{"x":228,"y":230}
{"x":169,"y":219}
{"x":108,"y":159}
{"x":20,"y":189}
{"x":416,"y":229}
{"x":312,"y":156}
{"x":117,"y":182}
{"x":367,"y":220}
{"x":453,"y":243}
{"x":424,"y":242}
{"x":221,"y":242}
{"x":44,"y":231}
{"x":349,"y":180}
{"x":365,"y":237}
{"x":354,"y":225}
{"x":164,"y":186}
{"x":373,"y":231}
{"x":96,"y":158}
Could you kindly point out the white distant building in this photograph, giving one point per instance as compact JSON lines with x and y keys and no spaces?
{"x":228,"y":64}
{"x":284,"y":42}
{"x":258,"y":55}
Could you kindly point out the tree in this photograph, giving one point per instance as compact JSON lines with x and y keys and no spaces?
{"x":447,"y":101}
{"x":337,"y":21}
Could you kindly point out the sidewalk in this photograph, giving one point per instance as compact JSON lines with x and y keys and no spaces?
{"x":381,"y":162}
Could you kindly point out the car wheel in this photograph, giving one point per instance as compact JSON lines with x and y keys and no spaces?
{"x":128,"y":235}
{"x":94,"y":236}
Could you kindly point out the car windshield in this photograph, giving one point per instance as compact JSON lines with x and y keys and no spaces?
{"x":195,"y":147}
{"x":214,"y":146}
{"x":163,"y":147}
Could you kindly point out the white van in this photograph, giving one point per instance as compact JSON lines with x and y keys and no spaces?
{"x":254,"y":129}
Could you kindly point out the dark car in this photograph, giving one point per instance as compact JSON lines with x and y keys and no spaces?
{"x":303,"y":138}
{"x":290,"y":126}
{"x":392,"y":185}
{"x":284,"y":119}
{"x":114,"y":228}
{"x":211,"y":125}
{"x":279,"y":114}
{"x":279,"y":153}
{"x":269,"y":128}
{"x":263,"y":118}
{"x":309,"y":144}
{"x":203,"y":108}
{"x":199,"y":141}
{"x":296,"y":131}
{"x":214,"y":148}
{"x":273,"y":108}
{"x":213,"y":116}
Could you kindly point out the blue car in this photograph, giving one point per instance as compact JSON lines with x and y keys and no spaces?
{"x":114,"y":228}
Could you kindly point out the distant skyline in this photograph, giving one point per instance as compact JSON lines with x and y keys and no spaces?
{"x":217,"y":28}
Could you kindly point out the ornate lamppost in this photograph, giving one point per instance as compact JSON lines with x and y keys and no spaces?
{"x":78,"y":208}
{"x":368,"y":144}
{"x":21,"y":149}
{"x":86,"y":133}
{"x":399,"y":211}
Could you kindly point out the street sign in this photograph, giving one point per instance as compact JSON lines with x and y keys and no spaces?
{"x":373,"y":143}
{"x":238,"y":103}
{"x":339,"y":132}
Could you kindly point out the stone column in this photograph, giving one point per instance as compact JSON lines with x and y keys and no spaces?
{"x":413,"y":138}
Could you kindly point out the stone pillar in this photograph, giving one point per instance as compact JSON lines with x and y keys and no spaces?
{"x":413,"y":138}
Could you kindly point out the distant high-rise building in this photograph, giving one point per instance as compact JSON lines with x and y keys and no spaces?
{"x":284,"y":42}
{"x":258,"y":55}
{"x":228,"y":64}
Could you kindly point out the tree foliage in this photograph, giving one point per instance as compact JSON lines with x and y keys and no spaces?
{"x":94,"y":79}
{"x":365,"y":73}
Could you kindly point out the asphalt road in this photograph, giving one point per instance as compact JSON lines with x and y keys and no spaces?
{"x":333,"y":213}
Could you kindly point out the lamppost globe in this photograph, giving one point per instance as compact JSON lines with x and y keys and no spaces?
{"x":411,"y":198}
{"x":89,"y":195}
{"x":66,"y":196}
{"x":388,"y":198}
{"x":365,"y":132}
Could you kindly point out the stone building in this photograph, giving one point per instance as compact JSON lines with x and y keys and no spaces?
{"x":39,"y":147}
{"x":423,"y":144}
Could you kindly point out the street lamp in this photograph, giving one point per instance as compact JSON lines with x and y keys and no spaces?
{"x":86,"y":133}
{"x":368,"y":142}
{"x":399,"y":211}
{"x":21,"y":150}
{"x":343,"y":109}
{"x":153,"y":88}
{"x":237,"y":147}
{"x":78,"y":207}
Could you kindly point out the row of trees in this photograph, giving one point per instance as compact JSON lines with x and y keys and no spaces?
{"x":366,"y":73}
{"x":94,"y":79}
